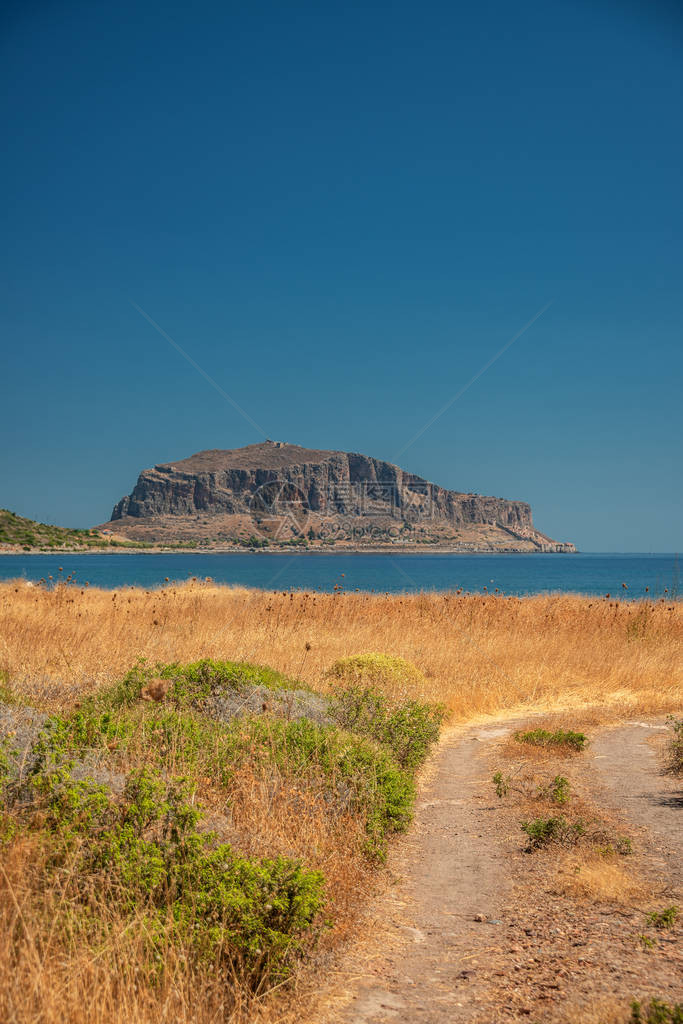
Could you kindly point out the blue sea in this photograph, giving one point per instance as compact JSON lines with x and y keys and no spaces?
{"x":393,"y":573}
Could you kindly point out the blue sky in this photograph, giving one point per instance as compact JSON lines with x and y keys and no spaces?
{"x":342,"y":212}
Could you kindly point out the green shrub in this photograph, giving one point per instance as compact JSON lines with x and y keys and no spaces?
{"x":675,"y":746}
{"x":563,"y":738}
{"x":558,"y":790}
{"x":74,"y":805}
{"x":375,"y":670}
{"x":409,"y":729}
{"x":362,"y":773}
{"x":4,"y":763}
{"x":543,"y":831}
{"x":663,"y":918}
{"x":365,"y":767}
{"x":144,"y":850}
{"x":194,"y":682}
{"x":502,"y":784}
{"x":656,"y":1012}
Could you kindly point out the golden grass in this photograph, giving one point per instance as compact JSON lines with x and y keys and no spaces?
{"x":601,"y":879}
{"x":479,"y":655}
{"x":98,"y":968}
{"x":598,"y":1011}
{"x":64,"y":962}
{"x":51,"y":974}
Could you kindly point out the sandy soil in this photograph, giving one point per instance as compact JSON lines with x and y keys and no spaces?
{"x":629,"y":763}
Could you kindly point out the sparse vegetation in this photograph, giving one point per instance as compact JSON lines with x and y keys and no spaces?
{"x":675,"y":745}
{"x":28,"y":534}
{"x":665,"y":918}
{"x":589,"y":873}
{"x":561,"y":739}
{"x":557,"y":791}
{"x":543,"y":831}
{"x":656,"y":1012}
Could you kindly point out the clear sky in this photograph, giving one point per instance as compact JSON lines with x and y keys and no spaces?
{"x":342,"y":212}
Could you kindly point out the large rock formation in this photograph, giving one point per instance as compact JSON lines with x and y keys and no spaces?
{"x":281,"y":491}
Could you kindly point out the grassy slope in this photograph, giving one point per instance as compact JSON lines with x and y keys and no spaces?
{"x":28,"y":534}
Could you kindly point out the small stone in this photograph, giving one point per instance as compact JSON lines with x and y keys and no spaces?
{"x":480,"y":917}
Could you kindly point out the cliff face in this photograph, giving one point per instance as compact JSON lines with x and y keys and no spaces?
{"x":328,"y":493}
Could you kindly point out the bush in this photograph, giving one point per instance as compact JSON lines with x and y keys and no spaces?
{"x":372,"y":670}
{"x":663,"y":918}
{"x":408,"y":729}
{"x":145,"y":852}
{"x":675,"y":746}
{"x":362,"y":774}
{"x":358,"y":772}
{"x":4,"y":764}
{"x":558,"y":791}
{"x":562,"y":738}
{"x":111,"y":833}
{"x":193,"y":682}
{"x":559,"y":831}
{"x":502,"y":784}
{"x":543,"y":831}
{"x":364,"y":765}
{"x":656,"y":1012}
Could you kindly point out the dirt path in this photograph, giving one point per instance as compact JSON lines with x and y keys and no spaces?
{"x":477,"y":931}
{"x":452,"y":869}
{"x":629,"y":768}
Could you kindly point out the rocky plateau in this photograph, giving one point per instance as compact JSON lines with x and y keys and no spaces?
{"x":276,"y":492}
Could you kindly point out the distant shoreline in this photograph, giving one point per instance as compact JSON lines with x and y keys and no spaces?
{"x":381,"y":550}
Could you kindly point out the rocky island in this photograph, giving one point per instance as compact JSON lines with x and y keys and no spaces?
{"x":274,"y":493}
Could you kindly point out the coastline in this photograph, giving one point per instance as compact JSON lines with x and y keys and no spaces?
{"x":601,"y":574}
{"x":386,"y":549}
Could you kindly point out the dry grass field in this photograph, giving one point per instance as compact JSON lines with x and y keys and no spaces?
{"x":478,"y":656}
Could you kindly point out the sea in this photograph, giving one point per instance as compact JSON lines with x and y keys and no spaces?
{"x":626,"y":576}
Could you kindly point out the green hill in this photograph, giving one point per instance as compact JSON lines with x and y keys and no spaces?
{"x":28,"y":534}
